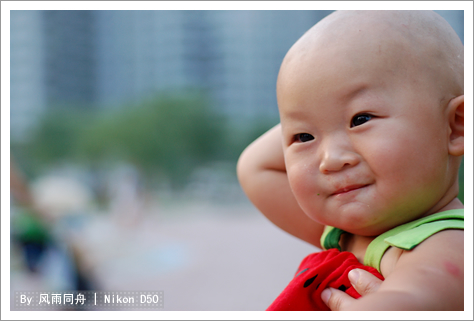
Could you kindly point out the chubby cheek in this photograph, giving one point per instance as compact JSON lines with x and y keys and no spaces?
{"x":406,"y":170}
{"x":303,"y":182}
{"x":299,"y":178}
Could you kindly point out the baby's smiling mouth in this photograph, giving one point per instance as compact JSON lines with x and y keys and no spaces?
{"x":349,"y":188}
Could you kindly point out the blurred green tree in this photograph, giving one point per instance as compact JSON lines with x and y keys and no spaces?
{"x":168,"y":135}
{"x":54,"y":139}
{"x":461,"y":182}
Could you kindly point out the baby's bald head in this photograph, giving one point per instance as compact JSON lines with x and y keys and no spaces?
{"x":418,"y":47}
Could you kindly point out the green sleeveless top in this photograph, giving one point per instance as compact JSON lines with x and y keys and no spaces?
{"x":405,"y":236}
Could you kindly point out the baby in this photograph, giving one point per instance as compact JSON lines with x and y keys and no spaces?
{"x":366,"y":159}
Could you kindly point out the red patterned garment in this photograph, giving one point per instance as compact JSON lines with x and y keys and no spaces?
{"x":316,"y":272}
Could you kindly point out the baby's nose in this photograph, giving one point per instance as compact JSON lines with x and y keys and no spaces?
{"x":336,"y":158}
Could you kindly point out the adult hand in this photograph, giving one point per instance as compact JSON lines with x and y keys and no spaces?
{"x":363,"y":282}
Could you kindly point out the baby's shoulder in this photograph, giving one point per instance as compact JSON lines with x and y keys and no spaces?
{"x":444,"y":248}
{"x":427,"y":234}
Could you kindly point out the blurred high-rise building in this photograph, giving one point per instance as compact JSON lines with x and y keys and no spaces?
{"x":102,"y":59}
{"x":234,"y":55}
{"x":27,"y":87}
{"x":52,"y":62}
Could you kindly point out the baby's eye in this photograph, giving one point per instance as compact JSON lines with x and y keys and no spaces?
{"x":360,"y":119}
{"x":303,"y":137}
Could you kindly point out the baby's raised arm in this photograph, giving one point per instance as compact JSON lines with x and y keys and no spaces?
{"x":262,"y":175}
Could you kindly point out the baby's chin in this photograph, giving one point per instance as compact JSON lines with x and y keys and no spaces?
{"x":369,"y":230}
{"x":357,"y":225}
{"x":350,"y":219}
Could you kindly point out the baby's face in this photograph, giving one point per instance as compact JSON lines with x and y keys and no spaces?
{"x":365,"y":140}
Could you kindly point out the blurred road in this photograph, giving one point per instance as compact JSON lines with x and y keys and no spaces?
{"x":204,"y":256}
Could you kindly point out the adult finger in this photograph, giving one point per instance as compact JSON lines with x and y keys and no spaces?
{"x":364,"y":282}
{"x":337,"y":300}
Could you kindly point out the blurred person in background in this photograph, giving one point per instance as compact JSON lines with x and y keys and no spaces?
{"x":30,"y":226}
{"x":32,"y":230}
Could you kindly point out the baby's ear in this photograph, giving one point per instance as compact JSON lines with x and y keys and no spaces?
{"x":456,"y":125}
